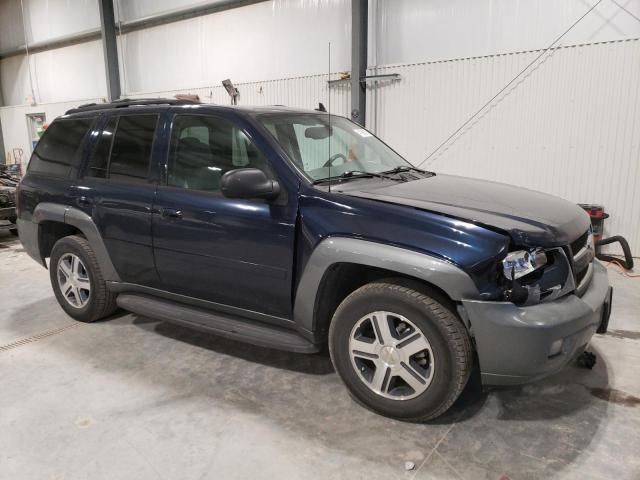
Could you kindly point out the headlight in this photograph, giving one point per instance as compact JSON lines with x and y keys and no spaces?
{"x":522,"y":262}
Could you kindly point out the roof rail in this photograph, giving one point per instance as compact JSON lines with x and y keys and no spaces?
{"x":130,"y":102}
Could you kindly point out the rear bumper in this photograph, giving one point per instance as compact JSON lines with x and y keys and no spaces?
{"x":28,"y":232}
{"x":520,"y":344}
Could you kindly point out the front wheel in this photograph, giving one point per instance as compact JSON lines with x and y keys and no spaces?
{"x":400,"y":352}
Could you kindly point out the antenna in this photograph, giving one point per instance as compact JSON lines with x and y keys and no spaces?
{"x":329,"y":103}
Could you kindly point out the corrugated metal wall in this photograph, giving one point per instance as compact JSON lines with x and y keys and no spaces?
{"x":570,"y":127}
{"x":300,"y":92}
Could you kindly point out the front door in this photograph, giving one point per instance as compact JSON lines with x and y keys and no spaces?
{"x":233,"y":252}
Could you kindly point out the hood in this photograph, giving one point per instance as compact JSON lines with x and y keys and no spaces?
{"x":530,"y":218}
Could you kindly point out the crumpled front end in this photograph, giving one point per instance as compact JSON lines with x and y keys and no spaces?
{"x":519,"y":344}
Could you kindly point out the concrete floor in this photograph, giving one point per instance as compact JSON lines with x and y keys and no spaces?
{"x":135,"y":398}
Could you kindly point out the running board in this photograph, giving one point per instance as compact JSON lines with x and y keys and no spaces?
{"x":225,"y":325}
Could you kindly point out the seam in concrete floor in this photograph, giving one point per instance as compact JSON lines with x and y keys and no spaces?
{"x":435,"y":448}
{"x":37,"y":336}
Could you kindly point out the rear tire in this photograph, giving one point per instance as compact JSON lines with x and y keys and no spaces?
{"x":418,"y":368}
{"x":74,"y":266}
{"x":14,"y":232}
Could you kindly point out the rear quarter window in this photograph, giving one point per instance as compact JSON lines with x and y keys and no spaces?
{"x":60,"y":147}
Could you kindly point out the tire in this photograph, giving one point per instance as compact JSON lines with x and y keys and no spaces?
{"x":95,"y":303}
{"x":14,"y":232}
{"x":443,"y":367}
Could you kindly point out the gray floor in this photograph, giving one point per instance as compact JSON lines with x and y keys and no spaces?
{"x":135,"y":398}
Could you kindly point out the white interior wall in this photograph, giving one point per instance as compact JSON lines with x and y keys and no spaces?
{"x":301,"y":92}
{"x":70,"y":73}
{"x":264,"y":41}
{"x":407,"y":31}
{"x":127,"y":10}
{"x":11,"y":31}
{"x":45,"y":20}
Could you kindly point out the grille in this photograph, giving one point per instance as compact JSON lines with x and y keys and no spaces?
{"x":581,"y":261}
{"x":580,"y":243}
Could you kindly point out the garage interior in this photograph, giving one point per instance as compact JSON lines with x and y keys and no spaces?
{"x":543,"y":95}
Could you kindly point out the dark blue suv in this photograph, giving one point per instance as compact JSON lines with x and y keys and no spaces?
{"x":298,"y":230}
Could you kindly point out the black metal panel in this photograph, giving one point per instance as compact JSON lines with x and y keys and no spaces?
{"x":108,"y":26}
{"x":359,"y":25}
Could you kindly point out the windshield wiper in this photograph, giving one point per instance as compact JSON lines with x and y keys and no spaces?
{"x":356,"y":174}
{"x":407,"y":168}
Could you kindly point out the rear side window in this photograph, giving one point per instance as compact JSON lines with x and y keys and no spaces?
{"x":100,"y":160}
{"x":60,"y":147}
{"x":124,"y":149}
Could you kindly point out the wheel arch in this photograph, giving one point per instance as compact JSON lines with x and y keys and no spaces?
{"x":340,"y":265}
{"x":54,"y":221}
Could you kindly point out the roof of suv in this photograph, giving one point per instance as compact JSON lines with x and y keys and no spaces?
{"x":179,"y":104}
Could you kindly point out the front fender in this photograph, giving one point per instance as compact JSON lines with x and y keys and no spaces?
{"x":444,"y":275}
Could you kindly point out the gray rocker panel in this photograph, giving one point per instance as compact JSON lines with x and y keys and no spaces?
{"x":451,"y":279}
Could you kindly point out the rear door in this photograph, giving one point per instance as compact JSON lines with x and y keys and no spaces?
{"x":117,"y":190}
{"x":234,"y":252}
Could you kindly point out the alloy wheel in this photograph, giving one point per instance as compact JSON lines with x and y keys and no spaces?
{"x":73,"y":279}
{"x":391,"y":355}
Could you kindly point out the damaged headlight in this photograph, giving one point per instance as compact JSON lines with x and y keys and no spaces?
{"x":522,"y":262}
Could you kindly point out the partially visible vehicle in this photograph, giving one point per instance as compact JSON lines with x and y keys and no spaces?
{"x":8,"y":186}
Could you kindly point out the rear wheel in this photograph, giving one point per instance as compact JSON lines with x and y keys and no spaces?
{"x":14,"y":232}
{"x":77,"y":280}
{"x":400,"y":352}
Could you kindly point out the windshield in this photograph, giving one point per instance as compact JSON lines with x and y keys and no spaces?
{"x":322,"y":152}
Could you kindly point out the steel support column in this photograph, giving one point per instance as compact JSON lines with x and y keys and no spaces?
{"x":359,"y":24}
{"x":110,"y":49}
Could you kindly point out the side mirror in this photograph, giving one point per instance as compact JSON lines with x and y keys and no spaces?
{"x":249,"y":183}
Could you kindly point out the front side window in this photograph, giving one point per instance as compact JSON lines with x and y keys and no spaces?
{"x":203,"y":148}
{"x":60,"y":147}
{"x":321,"y":150}
{"x":123,"y":151}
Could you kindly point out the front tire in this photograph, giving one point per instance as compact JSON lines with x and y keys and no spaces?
{"x":77,"y":280}
{"x":399,"y":351}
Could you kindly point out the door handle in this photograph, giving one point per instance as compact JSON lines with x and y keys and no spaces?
{"x":84,"y":201}
{"x":171,"y":213}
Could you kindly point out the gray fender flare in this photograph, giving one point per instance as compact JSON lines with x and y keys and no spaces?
{"x":446,"y":276}
{"x":84,"y":223}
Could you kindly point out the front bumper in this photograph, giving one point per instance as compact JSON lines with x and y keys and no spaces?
{"x":520,"y":344}
{"x":8,"y":218}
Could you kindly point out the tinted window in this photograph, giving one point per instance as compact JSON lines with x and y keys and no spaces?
{"x":60,"y":147}
{"x":205,"y":148}
{"x":99,"y":162}
{"x":131,"y":149}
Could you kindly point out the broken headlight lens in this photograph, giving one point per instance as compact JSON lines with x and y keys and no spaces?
{"x":522,"y":262}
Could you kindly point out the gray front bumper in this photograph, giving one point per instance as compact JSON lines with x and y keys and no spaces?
{"x":514,"y":343}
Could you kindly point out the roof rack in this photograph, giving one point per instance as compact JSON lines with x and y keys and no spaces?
{"x":130,"y":102}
